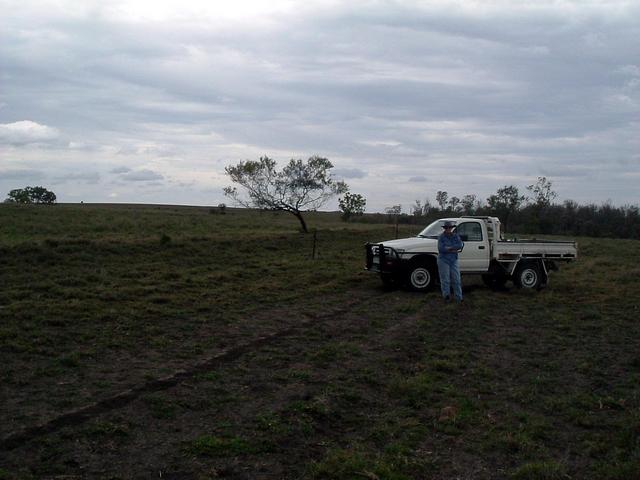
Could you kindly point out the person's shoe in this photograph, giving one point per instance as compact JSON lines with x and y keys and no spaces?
{"x":447,"y":299}
{"x":460,"y":301}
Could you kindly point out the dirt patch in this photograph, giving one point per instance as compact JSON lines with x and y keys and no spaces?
{"x":383,"y":385}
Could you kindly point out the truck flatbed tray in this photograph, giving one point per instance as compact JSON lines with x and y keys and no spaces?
{"x":534,"y":240}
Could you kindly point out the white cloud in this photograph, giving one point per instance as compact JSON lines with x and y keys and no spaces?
{"x":26,"y":132}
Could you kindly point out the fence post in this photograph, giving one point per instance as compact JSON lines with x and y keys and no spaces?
{"x":315,"y":240}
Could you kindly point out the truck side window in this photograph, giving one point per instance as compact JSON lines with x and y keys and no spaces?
{"x":470,"y":231}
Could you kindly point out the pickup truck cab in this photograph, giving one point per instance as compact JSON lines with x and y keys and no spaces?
{"x":413,"y":261}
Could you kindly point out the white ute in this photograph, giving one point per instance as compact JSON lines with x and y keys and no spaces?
{"x":413,"y":261}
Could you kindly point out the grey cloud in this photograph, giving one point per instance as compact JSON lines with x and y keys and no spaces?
{"x":140,"y":176}
{"x":349,"y":172}
{"x":119,"y":170}
{"x":418,"y":179}
{"x":25,"y":174}
{"x":544,"y":83}
{"x":87,"y":177}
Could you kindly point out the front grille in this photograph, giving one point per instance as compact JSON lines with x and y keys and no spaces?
{"x":380,"y":258}
{"x":375,"y":249}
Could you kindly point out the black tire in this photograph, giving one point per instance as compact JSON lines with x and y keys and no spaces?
{"x":528,"y":276}
{"x":421,"y":277}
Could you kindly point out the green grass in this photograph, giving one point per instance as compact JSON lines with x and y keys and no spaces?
{"x":342,"y":464}
{"x":368,"y":383}
{"x":108,"y":429}
{"x":542,"y":470}
{"x":213,"y":446}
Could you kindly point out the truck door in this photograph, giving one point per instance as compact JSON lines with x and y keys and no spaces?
{"x":475,"y":255}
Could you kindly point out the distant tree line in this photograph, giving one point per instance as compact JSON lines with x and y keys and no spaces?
{"x":302,"y":186}
{"x":533,"y":213}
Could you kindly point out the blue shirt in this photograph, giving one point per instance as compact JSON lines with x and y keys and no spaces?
{"x":449,"y":241}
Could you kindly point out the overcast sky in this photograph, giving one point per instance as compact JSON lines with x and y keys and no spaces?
{"x":148,"y":101}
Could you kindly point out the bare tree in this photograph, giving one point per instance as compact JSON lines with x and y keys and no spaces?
{"x":454,"y":204}
{"x":298,"y":187}
{"x":542,"y":193}
{"x":441,"y":199}
{"x":470,"y":204}
{"x":393,"y":210}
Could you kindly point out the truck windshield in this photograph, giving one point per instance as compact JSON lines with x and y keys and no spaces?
{"x":433,"y":230}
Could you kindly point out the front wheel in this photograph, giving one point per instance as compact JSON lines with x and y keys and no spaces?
{"x":420,"y":278}
{"x":528,"y":276}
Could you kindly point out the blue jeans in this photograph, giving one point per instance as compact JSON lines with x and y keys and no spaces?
{"x":450,"y":277}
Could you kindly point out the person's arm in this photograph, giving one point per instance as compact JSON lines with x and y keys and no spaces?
{"x":442,"y":248}
{"x":457,"y":243}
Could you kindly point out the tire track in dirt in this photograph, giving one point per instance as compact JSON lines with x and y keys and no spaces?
{"x":83,"y":414}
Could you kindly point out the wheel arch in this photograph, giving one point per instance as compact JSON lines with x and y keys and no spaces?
{"x":428,"y":259}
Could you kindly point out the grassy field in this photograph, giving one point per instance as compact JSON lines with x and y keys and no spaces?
{"x":174,"y":342}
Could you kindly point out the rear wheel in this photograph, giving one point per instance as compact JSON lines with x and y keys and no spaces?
{"x":420,"y":277}
{"x":528,"y":276}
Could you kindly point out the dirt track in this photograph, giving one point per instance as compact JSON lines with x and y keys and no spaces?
{"x":303,"y":376}
{"x":113,"y":402}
